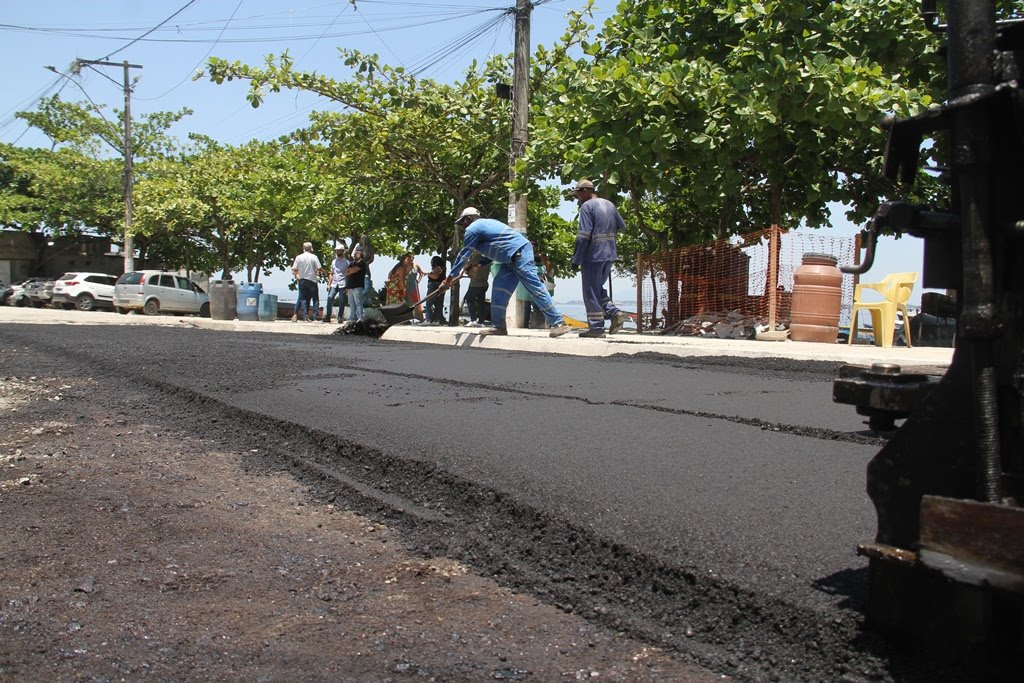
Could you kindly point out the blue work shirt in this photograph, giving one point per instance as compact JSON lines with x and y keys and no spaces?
{"x":492,"y":238}
{"x":599,"y":223}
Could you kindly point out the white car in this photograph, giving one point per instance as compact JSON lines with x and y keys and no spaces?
{"x":154,"y":292}
{"x":84,"y":291}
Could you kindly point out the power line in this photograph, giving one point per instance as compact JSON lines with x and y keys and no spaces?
{"x":409,"y":21}
{"x":457,"y":45}
{"x":29,"y":102}
{"x":95,"y":106}
{"x":333,"y":21}
{"x":201,"y":59}
{"x":124,"y":47}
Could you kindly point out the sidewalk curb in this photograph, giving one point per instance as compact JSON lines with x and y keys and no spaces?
{"x":525,"y":341}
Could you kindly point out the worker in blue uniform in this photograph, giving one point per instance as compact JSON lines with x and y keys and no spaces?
{"x":513,"y":253}
{"x":595,"y":253}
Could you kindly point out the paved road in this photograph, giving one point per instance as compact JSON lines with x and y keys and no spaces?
{"x":739,"y":478}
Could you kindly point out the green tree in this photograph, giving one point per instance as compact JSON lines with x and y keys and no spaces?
{"x":714,"y":118}
{"x":224,"y":208}
{"x":76,"y":186}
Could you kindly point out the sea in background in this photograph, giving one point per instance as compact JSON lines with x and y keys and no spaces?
{"x":576,"y":309}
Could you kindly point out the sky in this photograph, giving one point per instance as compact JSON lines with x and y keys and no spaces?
{"x":172,"y":39}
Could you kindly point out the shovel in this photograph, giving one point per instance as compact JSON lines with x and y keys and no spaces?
{"x":399,"y":313}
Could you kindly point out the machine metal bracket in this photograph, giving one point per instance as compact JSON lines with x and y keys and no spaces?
{"x":883,"y":393}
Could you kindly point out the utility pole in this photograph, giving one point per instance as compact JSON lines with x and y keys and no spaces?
{"x":520,"y":119}
{"x":128,"y":182}
{"x":520,"y":109}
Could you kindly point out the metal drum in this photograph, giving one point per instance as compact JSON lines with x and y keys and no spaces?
{"x":249,"y":300}
{"x":817,"y":297}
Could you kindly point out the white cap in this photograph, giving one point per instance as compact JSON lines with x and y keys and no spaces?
{"x":468,"y":211}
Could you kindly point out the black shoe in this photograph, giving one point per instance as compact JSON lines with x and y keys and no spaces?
{"x":592,"y":334}
{"x":326,"y":320}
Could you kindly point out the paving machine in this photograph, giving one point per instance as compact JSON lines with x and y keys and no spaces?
{"x":947,"y":565}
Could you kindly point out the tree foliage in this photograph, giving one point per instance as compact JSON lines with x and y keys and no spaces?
{"x":701,"y":119}
{"x":714,"y":118}
{"x":410,"y":152}
{"x":77,"y":184}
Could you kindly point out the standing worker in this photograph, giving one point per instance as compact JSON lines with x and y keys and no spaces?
{"x":307,"y":269}
{"x":513,"y":254}
{"x":595,"y":252}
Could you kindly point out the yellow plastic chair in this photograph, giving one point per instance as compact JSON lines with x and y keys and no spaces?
{"x":896,"y":289}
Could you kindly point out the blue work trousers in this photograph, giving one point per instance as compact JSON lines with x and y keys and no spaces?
{"x":522,"y":270}
{"x":595,"y":297}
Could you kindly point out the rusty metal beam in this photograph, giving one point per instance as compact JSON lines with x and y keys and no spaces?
{"x":980,"y":544}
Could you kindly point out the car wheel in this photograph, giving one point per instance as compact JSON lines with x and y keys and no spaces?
{"x":85,"y":302}
{"x":204,"y":311}
{"x":121,"y":310}
{"x":151,"y":307}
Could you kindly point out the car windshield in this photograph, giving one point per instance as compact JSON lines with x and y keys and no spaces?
{"x":132,"y":278}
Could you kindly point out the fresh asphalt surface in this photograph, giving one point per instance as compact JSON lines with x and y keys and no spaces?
{"x":613,"y":444}
{"x":741,"y":471}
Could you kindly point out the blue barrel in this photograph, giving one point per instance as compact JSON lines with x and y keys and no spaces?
{"x":223,"y":298}
{"x":268,"y":307}
{"x":249,"y":300}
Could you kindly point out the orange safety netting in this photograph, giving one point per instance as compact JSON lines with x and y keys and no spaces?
{"x":733,"y":275}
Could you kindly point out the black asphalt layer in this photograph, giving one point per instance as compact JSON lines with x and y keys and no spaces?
{"x":710,"y":505}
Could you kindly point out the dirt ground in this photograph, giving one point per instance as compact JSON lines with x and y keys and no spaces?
{"x":134,"y":547}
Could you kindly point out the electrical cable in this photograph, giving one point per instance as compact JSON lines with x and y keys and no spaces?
{"x":409,"y":21}
{"x":125,"y":47}
{"x":29,"y":102}
{"x":201,"y":59}
{"x":456,"y":46}
{"x":333,"y":21}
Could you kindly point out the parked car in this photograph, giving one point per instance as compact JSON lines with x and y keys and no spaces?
{"x":38,"y":291}
{"x":18,"y":296}
{"x":6,"y":291}
{"x":84,"y":291}
{"x":153,"y":292}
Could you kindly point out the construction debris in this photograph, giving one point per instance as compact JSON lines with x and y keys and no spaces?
{"x":364,"y":328}
{"x":723,"y":325}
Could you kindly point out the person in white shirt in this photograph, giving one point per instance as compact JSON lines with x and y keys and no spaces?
{"x":307,"y":270}
{"x":336,"y":284}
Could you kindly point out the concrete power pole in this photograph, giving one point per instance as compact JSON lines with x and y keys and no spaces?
{"x":128,"y":181}
{"x":520,"y":109}
{"x":520,"y":120}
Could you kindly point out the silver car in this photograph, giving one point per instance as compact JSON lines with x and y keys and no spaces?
{"x":154,"y":292}
{"x":38,"y":291}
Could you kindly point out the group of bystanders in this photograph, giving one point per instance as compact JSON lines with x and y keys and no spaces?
{"x":348,"y":281}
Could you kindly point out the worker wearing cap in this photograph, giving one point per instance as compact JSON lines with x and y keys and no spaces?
{"x":595,"y":253}
{"x":514,"y":255}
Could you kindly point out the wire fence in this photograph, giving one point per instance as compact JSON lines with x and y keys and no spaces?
{"x":733,"y":276}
